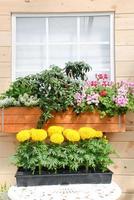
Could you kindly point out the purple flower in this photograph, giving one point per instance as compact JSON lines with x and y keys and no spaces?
{"x":121,"y":101}
{"x":93,"y":98}
{"x":131,"y":84}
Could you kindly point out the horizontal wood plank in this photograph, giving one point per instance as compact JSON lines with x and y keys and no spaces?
{"x":120,"y":6}
{"x":85,"y":118}
{"x":9,"y":179}
{"x":5,"y":54}
{"x":127,"y":78}
{"x":124,"y":15}
{"x":20,"y":119}
{"x":15,"y":128}
{"x":124,"y":53}
{"x":5,"y":70}
{"x":124,"y":68}
{"x":127,"y":196}
{"x":124,"y":149}
{"x":4,"y":84}
{"x":128,"y":136}
{"x":129,"y":128}
{"x":124,"y":37}
{"x":123,"y":166}
{"x":130,"y":119}
{"x":8,"y":138}
{"x":6,"y":167}
{"x":57,"y":6}
{"x":126,"y":182}
{"x":124,"y":22}
{"x":7,"y":149}
{"x":22,"y":111}
{"x":5,"y":22}
{"x":5,"y":38}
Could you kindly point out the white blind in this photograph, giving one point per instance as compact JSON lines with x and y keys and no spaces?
{"x":42,"y":41}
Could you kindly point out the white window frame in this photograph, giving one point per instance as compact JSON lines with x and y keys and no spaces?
{"x":78,"y":15}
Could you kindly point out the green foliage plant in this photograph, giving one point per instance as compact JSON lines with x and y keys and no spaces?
{"x":91,"y":155}
{"x":77,"y":70}
{"x":57,"y":89}
{"x":51,"y":90}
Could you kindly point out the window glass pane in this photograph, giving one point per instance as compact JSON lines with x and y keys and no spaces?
{"x":30,"y":29}
{"x":62,"y":29}
{"x":24,"y":73}
{"x":95,"y":28}
{"x":30,"y":58}
{"x":95,"y":54}
{"x":98,"y":56}
{"x":69,"y":38}
{"x":60,"y":54}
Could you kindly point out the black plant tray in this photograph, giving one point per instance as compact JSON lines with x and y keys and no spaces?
{"x":25,"y":178}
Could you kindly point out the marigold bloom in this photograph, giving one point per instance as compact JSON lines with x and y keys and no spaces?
{"x":72,"y":135}
{"x":55,"y":130}
{"x":87,"y":133}
{"x":38,"y":134}
{"x":99,"y":134}
{"x":57,"y":138}
{"x":66,"y":131}
{"x":23,"y":135}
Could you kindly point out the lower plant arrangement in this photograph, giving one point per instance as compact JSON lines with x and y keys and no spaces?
{"x":62,"y":156}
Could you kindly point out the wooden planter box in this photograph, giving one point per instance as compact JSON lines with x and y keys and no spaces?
{"x":15,"y":119}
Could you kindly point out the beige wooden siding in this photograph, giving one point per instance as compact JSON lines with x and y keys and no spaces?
{"x":123,"y":163}
{"x":124,"y":46}
{"x":124,"y":68}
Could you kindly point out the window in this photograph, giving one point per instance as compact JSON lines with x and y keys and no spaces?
{"x":42,"y":40}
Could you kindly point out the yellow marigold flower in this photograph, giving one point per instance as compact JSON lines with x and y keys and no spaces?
{"x":23,"y":135}
{"x":72,"y":135}
{"x":57,"y":138}
{"x":99,"y":134}
{"x":66,"y":131}
{"x":87,"y":133}
{"x":38,"y":134}
{"x":55,"y":130}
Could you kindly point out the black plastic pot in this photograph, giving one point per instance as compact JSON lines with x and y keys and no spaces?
{"x":26,"y":179}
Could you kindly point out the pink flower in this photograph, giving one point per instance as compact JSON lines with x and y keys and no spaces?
{"x":94,"y":83}
{"x":90,"y":84}
{"x":105,"y":76}
{"x":121,"y":101}
{"x":131,"y":84}
{"x":79,"y":97}
{"x":93,"y":98}
{"x":105,"y":83}
{"x":101,"y":76}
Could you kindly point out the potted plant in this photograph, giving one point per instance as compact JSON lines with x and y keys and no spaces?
{"x":62,"y":156}
{"x":66,"y":97}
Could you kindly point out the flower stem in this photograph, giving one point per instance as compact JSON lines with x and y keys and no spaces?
{"x":40,"y":169}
